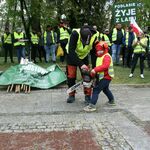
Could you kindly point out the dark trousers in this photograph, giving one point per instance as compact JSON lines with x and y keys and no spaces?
{"x":41,"y":52}
{"x":129,"y":53}
{"x":63,"y":44}
{"x":123,"y":51}
{"x":134,"y":62}
{"x":102,"y":85}
{"x":34,"y":49}
{"x":8,"y":48}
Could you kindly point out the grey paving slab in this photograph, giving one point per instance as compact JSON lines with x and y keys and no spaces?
{"x":119,"y":128}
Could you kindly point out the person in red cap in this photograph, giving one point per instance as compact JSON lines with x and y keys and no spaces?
{"x":104,"y":73}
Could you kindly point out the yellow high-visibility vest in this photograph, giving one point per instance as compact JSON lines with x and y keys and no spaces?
{"x":34,"y":38}
{"x":7,"y":38}
{"x":82,"y":51}
{"x":99,"y":62}
{"x":127,"y":38}
{"x":139,"y":48}
{"x":18,"y":36}
{"x":98,"y":35}
{"x":63,"y":33}
{"x":52,"y":34}
{"x":114,"y":34}
{"x":149,"y":43}
{"x":106,"y":38}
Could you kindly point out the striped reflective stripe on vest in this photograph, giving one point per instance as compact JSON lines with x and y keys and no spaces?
{"x":64,"y":34}
{"x":45,"y":35}
{"x":106,"y":39}
{"x":140,"y":49}
{"x":34,"y":38}
{"x":7,"y":38}
{"x":83,"y":51}
{"x":19,"y":36}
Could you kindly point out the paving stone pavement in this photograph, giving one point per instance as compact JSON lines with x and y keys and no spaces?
{"x":125,"y":126}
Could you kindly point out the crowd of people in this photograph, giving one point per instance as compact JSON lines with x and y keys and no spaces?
{"x":121,"y":42}
{"x":39,"y":44}
{"x":104,"y":48}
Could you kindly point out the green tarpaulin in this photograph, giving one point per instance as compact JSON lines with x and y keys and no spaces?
{"x":33,"y":75}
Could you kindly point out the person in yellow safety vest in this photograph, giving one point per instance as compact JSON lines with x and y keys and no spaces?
{"x":106,"y":37}
{"x":50,"y":43}
{"x":104,"y":73}
{"x":34,"y":45}
{"x":63,"y":36}
{"x":139,"y":44}
{"x":19,"y":44}
{"x":117,"y":39}
{"x":81,"y":43}
{"x":7,"y":44}
{"x":97,"y":32}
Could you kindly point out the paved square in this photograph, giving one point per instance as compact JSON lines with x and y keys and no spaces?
{"x":43,"y":120}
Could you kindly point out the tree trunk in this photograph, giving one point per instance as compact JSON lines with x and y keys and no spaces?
{"x":36,"y":15}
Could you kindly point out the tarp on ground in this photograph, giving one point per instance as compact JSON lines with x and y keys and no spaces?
{"x":33,"y":75}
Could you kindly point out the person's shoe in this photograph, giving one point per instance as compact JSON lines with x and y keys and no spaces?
{"x":87,"y":99}
{"x":130,"y":75}
{"x":142,"y":76}
{"x":90,"y":108}
{"x":70,"y":99}
{"x":111,"y":103}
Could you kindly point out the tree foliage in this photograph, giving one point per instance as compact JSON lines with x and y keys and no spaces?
{"x":36,"y":14}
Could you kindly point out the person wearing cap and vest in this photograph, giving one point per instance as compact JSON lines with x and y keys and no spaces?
{"x":50,"y":43}
{"x":139,"y":44}
{"x":63,"y":35}
{"x":106,"y":37}
{"x":34,"y":45}
{"x":97,"y":32}
{"x":19,"y":44}
{"x":7,"y":45}
{"x":129,"y":38}
{"x":117,"y":38}
{"x":81,"y":43}
{"x":104,"y":73}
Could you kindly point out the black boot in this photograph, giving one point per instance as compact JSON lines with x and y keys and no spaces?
{"x":70,"y":99}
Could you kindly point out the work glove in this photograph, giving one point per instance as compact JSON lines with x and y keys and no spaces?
{"x":92,"y":73}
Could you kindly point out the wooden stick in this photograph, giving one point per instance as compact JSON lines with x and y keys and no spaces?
{"x":29,"y":90}
{"x":8,"y":88}
{"x":21,"y":87}
{"x":15,"y":88}
{"x":26,"y":89}
{"x":11,"y":87}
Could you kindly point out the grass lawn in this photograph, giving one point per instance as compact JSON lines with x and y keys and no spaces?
{"x":121,"y":74}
